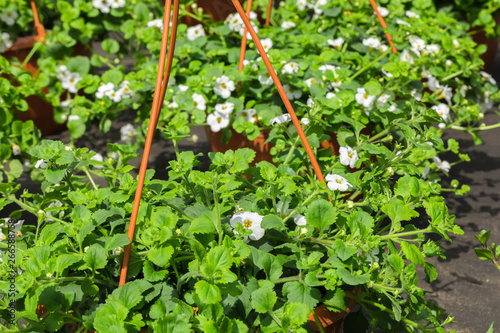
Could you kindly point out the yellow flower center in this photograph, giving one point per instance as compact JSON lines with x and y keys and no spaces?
{"x":339,"y":181}
{"x":223,"y":86}
{"x":244,"y":114}
{"x":247,"y":224}
{"x":350,"y":154}
{"x":366,"y":96}
{"x":219,"y":120}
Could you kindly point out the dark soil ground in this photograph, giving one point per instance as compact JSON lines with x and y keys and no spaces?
{"x":469,"y":289}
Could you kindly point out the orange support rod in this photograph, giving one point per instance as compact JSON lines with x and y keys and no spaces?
{"x":281,"y":91}
{"x":40,"y":29}
{"x":155,"y":111}
{"x":384,"y":26}
{"x":244,"y":39}
{"x":269,"y":9}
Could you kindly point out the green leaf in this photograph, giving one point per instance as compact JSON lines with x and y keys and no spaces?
{"x":491,"y":329}
{"x":342,"y":251}
{"x":55,"y":175}
{"x":16,"y":168}
{"x":397,"y":212}
{"x":160,"y":256}
{"x":89,"y":288}
{"x":373,"y":88}
{"x":110,"y":46}
{"x":483,"y":237}
{"x":172,"y":323}
{"x":335,"y":301}
{"x":207,"y":292}
{"x":202,"y":225}
{"x":54,"y":322}
{"x":412,"y":253}
{"x":321,"y":214}
{"x":128,"y":295}
{"x":361,"y":223}
{"x":298,"y":292}
{"x":271,"y":266}
{"x":220,"y":257}
{"x":298,"y":313}
{"x":79,"y":64}
{"x":273,"y":222}
{"x":118,"y":240}
{"x":49,"y":233}
{"x":95,"y":257}
{"x":263,"y":300}
{"x":65,"y":260}
{"x":484,"y":254}
{"x":151,"y":274}
{"x":350,"y":279}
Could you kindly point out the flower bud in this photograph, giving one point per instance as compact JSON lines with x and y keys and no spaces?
{"x":480,"y":115}
{"x":49,"y":275}
{"x":85,"y":249}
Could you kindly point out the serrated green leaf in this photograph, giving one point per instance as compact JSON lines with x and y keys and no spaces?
{"x":160,"y":256}
{"x":220,"y":257}
{"x":95,"y":257}
{"x":202,"y":225}
{"x":272,"y":221}
{"x":321,"y":214}
{"x":412,"y":253}
{"x":207,"y":292}
{"x":65,"y":260}
{"x":298,"y":292}
{"x":350,"y":279}
{"x":118,"y":240}
{"x":263,"y":300}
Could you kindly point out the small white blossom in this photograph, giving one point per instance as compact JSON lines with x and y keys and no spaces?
{"x":5,"y":42}
{"x":16,"y":150}
{"x":267,"y":44}
{"x":310,"y":102}
{"x":319,"y":3}
{"x":255,"y":27}
{"x":443,"y":110}
{"x":284,"y":211}
{"x":195,"y":32}
{"x":104,"y":90}
{"x":266,"y":79}
{"x":290,"y":68}
{"x":442,"y":165}
{"x":401,"y":22}
{"x":127,"y":132}
{"x":386,"y":73}
{"x":250,"y":221}
{"x":217,"y":121}
{"x":223,"y":87}
{"x":73,"y":117}
{"x":448,"y":63}
{"x":337,"y":183}
{"x":124,"y":90}
{"x":248,"y":114}
{"x":432,"y":49}
{"x":302,"y":4}
{"x":287,"y":25}
{"x":348,"y":156}
{"x":364,"y":99}
{"x":291,"y":92}
{"x":416,"y":94}
{"x":98,"y":157}
{"x":417,"y":43}
{"x":234,"y":22}
{"x":463,"y":90}
{"x":337,"y":43}
{"x":383,"y":11}
{"x":488,"y":77}
{"x":392,"y":108}
{"x":113,"y":95}
{"x":372,"y":43}
{"x":305,"y":121}
{"x":158,"y":23}
{"x":411,"y":14}
{"x":310,"y":81}
{"x":199,"y":102}
{"x":281,"y":119}
{"x":225,"y":109}
{"x":117,"y":3}
{"x":41,"y":164}
{"x":68,"y":148}
{"x":384,"y":98}
{"x":69,"y":82}
{"x":103,"y":5}
{"x":456,"y":43}
{"x":406,"y":56}
{"x":9,"y":17}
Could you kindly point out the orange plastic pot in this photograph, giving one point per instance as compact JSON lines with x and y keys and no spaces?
{"x":332,"y":322}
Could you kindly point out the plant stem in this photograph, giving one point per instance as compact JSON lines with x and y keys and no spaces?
{"x":217,"y":212}
{"x":475,"y":129}
{"x":303,"y":203}
{"x":291,"y":150}
{"x":408,"y":233}
{"x":86,"y":170}
{"x":32,"y":52}
{"x":370,"y":64}
{"x":177,"y":209}
{"x":74,"y":279}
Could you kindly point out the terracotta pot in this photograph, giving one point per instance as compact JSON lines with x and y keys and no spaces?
{"x":332,"y":322}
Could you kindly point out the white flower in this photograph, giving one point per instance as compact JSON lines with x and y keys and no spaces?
{"x":299,"y":219}
{"x":117,"y":251}
{"x":290,"y":68}
{"x":199,"y":102}
{"x":9,"y":17}
{"x":68,"y":148}
{"x":65,"y":104}
{"x":406,"y":56}
{"x":266,"y":79}
{"x":443,"y":110}
{"x":98,"y":157}
{"x":364,"y":99}
{"x":250,"y":221}
{"x":158,"y":23}
{"x":73,"y":117}
{"x":386,"y":73}
{"x":194,"y":138}
{"x":488,"y":77}
{"x":305,"y":121}
{"x":456,"y":43}
{"x":267,"y":44}
{"x":464,"y":89}
{"x":448,"y":63}
{"x":281,"y":119}
{"x":337,"y":182}
{"x":383,"y":11}
{"x":310,"y":81}
{"x":217,"y":121}
{"x":103,"y":5}
{"x":5,"y":42}
{"x":348,"y":156}
{"x":310,"y":101}
{"x":302,"y":4}
{"x":372,"y":43}
{"x":115,"y":96}
{"x":70,"y":81}
{"x":124,"y":90}
{"x":416,"y":94}
{"x":225,"y":109}
{"x":234,"y":22}
{"x":247,"y":114}
{"x":442,"y":165}
{"x":445,"y":92}
{"x":384,"y":98}
{"x":287,"y":25}
{"x":104,"y":90}
{"x":319,"y":3}
{"x":432,"y":49}
{"x":292,"y":93}
{"x":127,"y":132}
{"x":411,"y":14}
{"x":117,"y":3}
{"x":392,"y":108}
{"x":337,"y":43}
{"x":255,"y":27}
{"x":223,"y":86}
{"x":398,"y":21}
{"x":62,"y":72}
{"x":195,"y":32}
{"x":41,"y":164}
{"x":16,"y":150}
{"x":417,"y":43}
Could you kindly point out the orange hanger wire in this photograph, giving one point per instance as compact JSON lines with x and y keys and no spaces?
{"x":39,"y":28}
{"x":244,"y":39}
{"x":269,"y":9}
{"x":160,"y":90}
{"x":384,"y":26}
